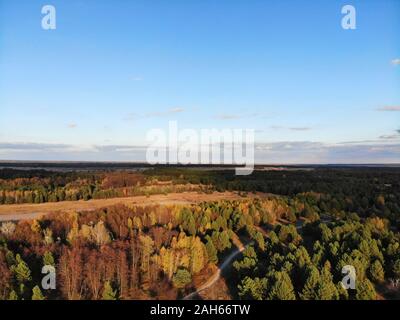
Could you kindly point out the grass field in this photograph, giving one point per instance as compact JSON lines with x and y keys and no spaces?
{"x":33,"y":211}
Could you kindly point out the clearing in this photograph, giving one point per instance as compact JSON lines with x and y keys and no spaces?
{"x":33,"y":211}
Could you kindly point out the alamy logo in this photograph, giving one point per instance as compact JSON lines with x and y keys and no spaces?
{"x":208,"y":146}
{"x":349,"y":280}
{"x":49,"y":280}
{"x":349,"y":20}
{"x":49,"y":20}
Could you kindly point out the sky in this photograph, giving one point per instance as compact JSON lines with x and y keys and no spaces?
{"x":113,"y":70}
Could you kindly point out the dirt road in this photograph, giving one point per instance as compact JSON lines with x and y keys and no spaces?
{"x":34,"y":211}
{"x":214,"y":278}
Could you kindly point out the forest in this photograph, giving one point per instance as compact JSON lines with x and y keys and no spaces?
{"x":295,"y":241}
{"x":39,"y":186}
{"x":366,"y":191}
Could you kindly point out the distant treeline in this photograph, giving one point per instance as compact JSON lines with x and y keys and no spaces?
{"x":38,"y":186}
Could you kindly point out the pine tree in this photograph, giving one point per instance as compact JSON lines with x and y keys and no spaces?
{"x":224,"y":241}
{"x":48,"y":259}
{"x":326,"y":289}
{"x":343,"y":294}
{"x":396,"y":268}
{"x":198,"y":255}
{"x":108,"y":292}
{"x":309,"y":289}
{"x":21,"y":270}
{"x":188,"y":222}
{"x":13,"y":295}
{"x":37,"y":294}
{"x":211,"y":251}
{"x":181,"y":278}
{"x":282,"y":289}
{"x":253,"y":289}
{"x":10,"y":258}
{"x":365,"y":290}
{"x":376,"y":272}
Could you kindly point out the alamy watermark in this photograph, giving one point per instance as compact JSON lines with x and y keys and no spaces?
{"x":49,"y":21}
{"x":205,"y":146}
{"x":349,"y":280}
{"x":349,"y":20}
{"x":49,"y":280}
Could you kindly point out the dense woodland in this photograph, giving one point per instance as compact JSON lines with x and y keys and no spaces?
{"x":341,"y":190}
{"x":365,"y":191}
{"x":38,"y":186}
{"x":297,"y":241}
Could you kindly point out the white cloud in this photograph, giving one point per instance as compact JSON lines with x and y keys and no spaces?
{"x":231,"y":116}
{"x":134,"y":116}
{"x":136,"y":78}
{"x":396,"y":62}
{"x":290,"y":128}
{"x":389,"y":136}
{"x":130,"y":116}
{"x":284,"y":152}
{"x":323,"y":153}
{"x":227,"y":116}
{"x":23,"y":147}
{"x":300,"y":128}
{"x":176,"y":110}
{"x":389,"y":108}
{"x":165,"y":113}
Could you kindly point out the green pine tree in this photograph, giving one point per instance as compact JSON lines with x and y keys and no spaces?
{"x":10,"y":258}
{"x":108,"y":292}
{"x":48,"y":259}
{"x":376,"y":272}
{"x":326,"y":289}
{"x":37,"y":294}
{"x":343,"y":293}
{"x":282,"y":289}
{"x":181,"y":278}
{"x":396,"y":268}
{"x":253,"y":289}
{"x":365,"y":290}
{"x":13,"y":295}
{"x":211,"y":251}
{"x":21,"y":270}
{"x":309,"y":289}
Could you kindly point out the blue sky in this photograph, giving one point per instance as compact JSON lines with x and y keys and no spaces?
{"x":112,"y":70}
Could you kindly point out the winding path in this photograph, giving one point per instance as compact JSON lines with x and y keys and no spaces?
{"x":214,"y":278}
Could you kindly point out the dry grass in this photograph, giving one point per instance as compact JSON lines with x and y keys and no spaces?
{"x":33,"y":211}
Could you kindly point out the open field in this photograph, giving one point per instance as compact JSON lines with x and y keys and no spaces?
{"x":33,"y":211}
